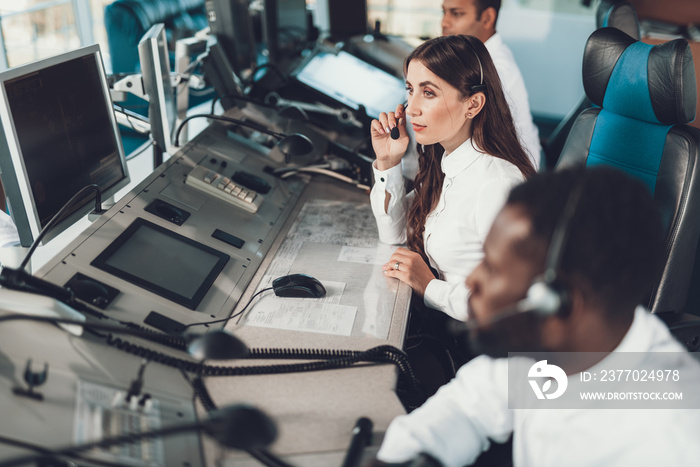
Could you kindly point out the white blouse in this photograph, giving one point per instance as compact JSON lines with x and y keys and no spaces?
{"x":474,"y":190}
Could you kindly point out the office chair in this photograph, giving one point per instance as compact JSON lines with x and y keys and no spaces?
{"x":645,"y":95}
{"x":126,"y":21}
{"x":609,"y":13}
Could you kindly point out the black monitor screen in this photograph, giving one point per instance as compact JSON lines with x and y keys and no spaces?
{"x":58,"y":134}
{"x":291,"y":20}
{"x":163,"y":262}
{"x":286,"y":27}
{"x":64,"y":131}
{"x":352,"y":81}
{"x":229,"y":21}
{"x":347,"y":18}
{"x":219,"y":73}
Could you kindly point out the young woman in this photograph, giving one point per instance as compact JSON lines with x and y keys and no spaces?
{"x":469,"y":158}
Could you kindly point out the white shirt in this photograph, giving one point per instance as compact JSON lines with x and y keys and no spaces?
{"x":474,"y":190}
{"x":455,"y":425}
{"x":516,"y":95}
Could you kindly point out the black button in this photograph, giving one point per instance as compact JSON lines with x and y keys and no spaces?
{"x":228,"y":238}
{"x":381,"y":179}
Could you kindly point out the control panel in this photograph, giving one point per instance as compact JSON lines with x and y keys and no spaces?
{"x":187,"y":240}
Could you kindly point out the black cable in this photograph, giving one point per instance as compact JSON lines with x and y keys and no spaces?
{"x":392,"y":355}
{"x":176,"y":342}
{"x":24,"y":445}
{"x":247,"y":124}
{"x":252,"y":100}
{"x":230,"y":317}
{"x":168,"y":340}
{"x":202,"y":393}
{"x":106,"y":443}
{"x":59,"y":217}
{"x":213,"y":102}
{"x":332,"y":359}
{"x":421,"y":338}
{"x":267,"y":458}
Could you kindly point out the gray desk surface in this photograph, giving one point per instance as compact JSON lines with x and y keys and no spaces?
{"x":315,"y":411}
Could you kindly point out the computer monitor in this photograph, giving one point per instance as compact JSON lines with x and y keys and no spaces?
{"x":347,"y":18}
{"x":155,"y":71}
{"x":285,"y":28}
{"x":351,"y":81}
{"x":58,"y":134}
{"x":219,"y":74}
{"x":229,"y":21}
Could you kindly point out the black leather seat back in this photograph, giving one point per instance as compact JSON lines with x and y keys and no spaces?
{"x":646,"y":95}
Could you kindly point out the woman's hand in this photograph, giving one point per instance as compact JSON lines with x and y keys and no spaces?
{"x":411,"y":270}
{"x":389,"y":151}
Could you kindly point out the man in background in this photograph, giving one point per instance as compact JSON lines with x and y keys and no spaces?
{"x":478,"y":18}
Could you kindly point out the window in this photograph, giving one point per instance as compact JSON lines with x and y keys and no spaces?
{"x":36,"y":29}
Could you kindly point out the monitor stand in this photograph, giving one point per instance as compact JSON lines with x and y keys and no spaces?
{"x":106,"y":204}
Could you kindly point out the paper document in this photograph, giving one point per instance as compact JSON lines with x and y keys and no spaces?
{"x":374,"y":255}
{"x":302,"y":315}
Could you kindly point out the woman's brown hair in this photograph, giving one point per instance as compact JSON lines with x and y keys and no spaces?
{"x":462,"y":61}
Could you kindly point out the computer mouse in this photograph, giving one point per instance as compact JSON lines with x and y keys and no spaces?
{"x":298,"y":285}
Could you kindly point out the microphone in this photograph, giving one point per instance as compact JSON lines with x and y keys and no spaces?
{"x":361,"y":437}
{"x":395,"y":134}
{"x":540,"y":299}
{"x":290,"y":145}
{"x":213,"y":345}
{"x":514,"y":329}
{"x":239,"y":426}
{"x":20,"y":279}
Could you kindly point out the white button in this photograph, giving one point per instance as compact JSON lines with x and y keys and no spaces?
{"x":210,"y":176}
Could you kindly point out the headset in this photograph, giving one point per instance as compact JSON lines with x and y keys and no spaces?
{"x":548,"y":294}
{"x":481,"y":87}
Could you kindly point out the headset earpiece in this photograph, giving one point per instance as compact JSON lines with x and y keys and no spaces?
{"x":548,"y":298}
{"x":481,"y":87}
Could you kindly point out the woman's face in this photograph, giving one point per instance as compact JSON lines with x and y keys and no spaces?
{"x":437,"y":111}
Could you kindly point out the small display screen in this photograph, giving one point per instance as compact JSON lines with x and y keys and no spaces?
{"x":353,"y":82}
{"x":163,"y":262}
